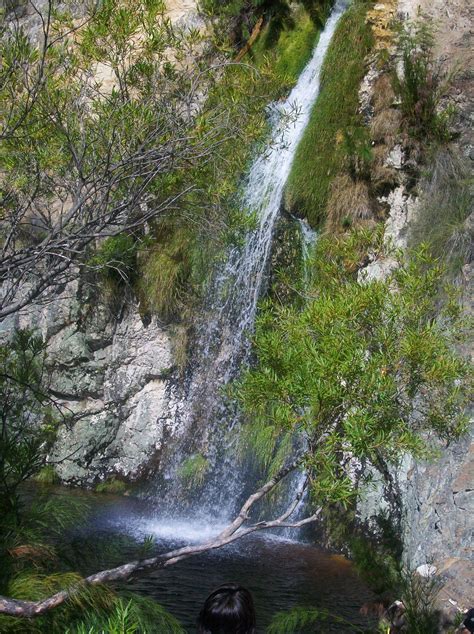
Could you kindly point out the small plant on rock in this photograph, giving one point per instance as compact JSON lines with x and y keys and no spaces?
{"x":421,"y":83}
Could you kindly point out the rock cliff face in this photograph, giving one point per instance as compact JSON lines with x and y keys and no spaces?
{"x":435,"y":499}
{"x":109,"y":370}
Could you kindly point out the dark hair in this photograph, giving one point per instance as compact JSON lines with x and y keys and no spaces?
{"x":469,"y":620}
{"x":227,"y":610}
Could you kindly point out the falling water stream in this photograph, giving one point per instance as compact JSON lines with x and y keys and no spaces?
{"x":281,"y":573}
{"x":223,"y":339}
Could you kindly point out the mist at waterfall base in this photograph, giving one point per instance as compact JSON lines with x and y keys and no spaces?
{"x":280,"y":572}
{"x":201,"y":413}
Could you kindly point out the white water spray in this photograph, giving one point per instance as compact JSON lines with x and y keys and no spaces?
{"x":223,"y":340}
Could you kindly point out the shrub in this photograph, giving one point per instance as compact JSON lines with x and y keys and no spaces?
{"x":346,"y":373}
{"x":419,"y":596}
{"x":28,"y":420}
{"x":116,"y":258}
{"x":421,"y":84}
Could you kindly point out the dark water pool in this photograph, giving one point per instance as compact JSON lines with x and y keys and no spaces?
{"x":280,"y":573}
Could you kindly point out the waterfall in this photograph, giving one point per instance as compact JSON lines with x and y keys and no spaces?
{"x":201,"y":412}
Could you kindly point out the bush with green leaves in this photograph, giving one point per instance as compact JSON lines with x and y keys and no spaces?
{"x":116,"y":258}
{"x":421,"y":83}
{"x":367,"y":370}
{"x":28,"y":417}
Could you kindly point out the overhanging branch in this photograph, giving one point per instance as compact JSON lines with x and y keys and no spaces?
{"x":233,"y":532}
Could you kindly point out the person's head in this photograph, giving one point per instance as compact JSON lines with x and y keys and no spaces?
{"x":227,"y":610}
{"x":469,"y":620}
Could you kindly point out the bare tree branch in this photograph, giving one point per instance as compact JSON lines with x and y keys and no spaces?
{"x":233,"y":532}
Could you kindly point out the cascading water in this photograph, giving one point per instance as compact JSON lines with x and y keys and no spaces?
{"x":223,"y":340}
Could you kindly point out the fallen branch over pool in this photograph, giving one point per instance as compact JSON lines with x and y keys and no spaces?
{"x":234,"y":531}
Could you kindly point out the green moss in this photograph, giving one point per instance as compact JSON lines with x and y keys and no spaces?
{"x":193,"y":470}
{"x":47,"y":476}
{"x":322,"y":153}
{"x":112,"y":485}
{"x":291,"y":50}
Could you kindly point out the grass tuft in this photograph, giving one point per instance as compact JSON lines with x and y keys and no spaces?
{"x":166,"y":269}
{"x":349,"y":204}
{"x":193,"y":470}
{"x":445,"y":205}
{"x":47,"y":476}
{"x":291,"y":50}
{"x":322,"y":154}
{"x":113,"y":486}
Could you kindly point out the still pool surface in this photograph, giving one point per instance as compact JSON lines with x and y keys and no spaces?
{"x":281,"y":573}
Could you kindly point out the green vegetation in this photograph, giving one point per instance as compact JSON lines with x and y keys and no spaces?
{"x":418,"y":595}
{"x":47,"y":475}
{"x":116,"y":259}
{"x":289,"y":50}
{"x":113,"y":486}
{"x":106,"y":118}
{"x":131,"y":614}
{"x":444,"y":206}
{"x":175,"y":263}
{"x":323,"y":151}
{"x":36,"y":563}
{"x":28,"y":417}
{"x":360,"y":372}
{"x":377,"y":559}
{"x":300,"y":620}
{"x":167,"y":268}
{"x":128,"y":151}
{"x":237,"y":18}
{"x":193,"y":470}
{"x":420,"y":615}
{"x":421,"y":84}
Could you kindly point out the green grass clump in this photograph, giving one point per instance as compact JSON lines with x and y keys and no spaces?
{"x":193,"y":470}
{"x":47,"y":475}
{"x":322,"y":153}
{"x":113,"y":485}
{"x":445,"y":204}
{"x":291,"y":50}
{"x":166,"y":270}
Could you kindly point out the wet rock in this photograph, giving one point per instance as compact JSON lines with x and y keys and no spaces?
{"x":110,"y":372}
